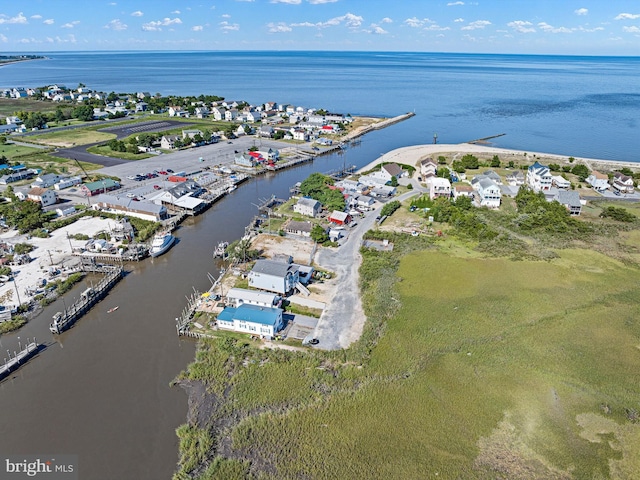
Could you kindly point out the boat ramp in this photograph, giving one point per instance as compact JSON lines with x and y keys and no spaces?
{"x":19,"y":359}
{"x":64,"y":320}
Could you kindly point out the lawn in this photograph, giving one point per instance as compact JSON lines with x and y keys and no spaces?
{"x":70,"y":138}
{"x":107,"y":152}
{"x":486,"y":368}
{"x":11,"y":150}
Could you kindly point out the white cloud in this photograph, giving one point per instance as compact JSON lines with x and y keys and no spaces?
{"x":522,"y":26}
{"x":137,"y":13}
{"x":49,"y":21}
{"x":113,"y":4}
{"x":435,"y":27}
{"x":3,"y":39}
{"x":590,"y":30}
{"x":478,"y":24}
{"x":581,"y":11}
{"x":280,"y":27}
{"x":349,"y":19}
{"x":70,"y":24}
{"x":175,"y":12}
{"x":197,"y":28}
{"x":226,"y":15}
{"x":632,"y":29}
{"x":628,"y":16}
{"x":453,"y":4}
{"x":290,"y":2}
{"x":319,"y":2}
{"x":415,"y":22}
{"x":459,"y":20}
{"x":116,"y":25}
{"x":377,"y":30}
{"x":157,"y":25}
{"x":19,"y":19}
{"x":386,"y":20}
{"x":229,"y":27}
{"x":36,"y":17}
{"x":544,"y":26}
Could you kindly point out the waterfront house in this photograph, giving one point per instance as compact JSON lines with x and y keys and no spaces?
{"x":428,"y":168}
{"x":43,"y":196}
{"x":339,"y":218}
{"x":301,"y":229}
{"x":244,"y":160}
{"x":539,"y":177}
{"x":101,"y":186}
{"x":392,"y":170}
{"x":489,"y":193}
{"x":122,"y":205}
{"x":622,"y":183}
{"x":372,"y":181}
{"x":439,"y":187}
{"x":242,"y":296}
{"x":300,"y":135}
{"x":252,"y":319}
{"x":271,"y":154}
{"x":599,"y":181}
{"x":307,"y":207}
{"x":462,"y":190}
{"x":274,"y":276}
{"x":560,"y":182}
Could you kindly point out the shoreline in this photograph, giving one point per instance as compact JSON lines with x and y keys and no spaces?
{"x":411,"y":155}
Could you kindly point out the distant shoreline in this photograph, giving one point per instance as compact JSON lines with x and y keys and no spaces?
{"x":413,"y":154}
{"x":10,"y":60}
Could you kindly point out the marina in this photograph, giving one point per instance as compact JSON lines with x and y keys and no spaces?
{"x":11,"y":364}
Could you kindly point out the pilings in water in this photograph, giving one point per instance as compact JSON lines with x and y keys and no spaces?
{"x":19,"y":359}
{"x":64,"y":320}
{"x":182,"y":322}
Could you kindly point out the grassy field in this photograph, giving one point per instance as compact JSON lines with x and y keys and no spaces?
{"x":8,"y":106}
{"x":469,"y":368}
{"x":70,"y":138}
{"x":12,"y":151}
{"x":106,"y":151}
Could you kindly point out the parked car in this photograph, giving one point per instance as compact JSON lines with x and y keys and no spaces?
{"x":162,"y":172}
{"x":169,"y":170}
{"x":156,"y":187}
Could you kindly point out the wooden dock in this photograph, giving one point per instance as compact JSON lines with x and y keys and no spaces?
{"x":64,"y":320}
{"x":485,"y":140}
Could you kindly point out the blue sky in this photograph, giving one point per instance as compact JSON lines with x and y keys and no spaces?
{"x":589,"y":27}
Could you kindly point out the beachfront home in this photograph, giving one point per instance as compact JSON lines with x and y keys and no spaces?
{"x":462,"y":190}
{"x":242,"y":296}
{"x":560,"y":182}
{"x":43,"y":196}
{"x":244,"y":160}
{"x":252,"y":319}
{"x":439,"y":187}
{"x":307,"y":207}
{"x":489,"y":193}
{"x":428,"y":168}
{"x":274,"y":276}
{"x":515,"y":179}
{"x":539,"y":177}
{"x":622,"y":183}
{"x":599,"y":181}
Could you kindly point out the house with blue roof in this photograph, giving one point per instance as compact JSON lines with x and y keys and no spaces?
{"x":252,"y":319}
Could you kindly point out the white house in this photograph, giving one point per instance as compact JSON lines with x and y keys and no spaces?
{"x":274,"y":276}
{"x":599,"y":181}
{"x":428,"y":168}
{"x":242,"y":296}
{"x":307,"y":207}
{"x":439,"y":187}
{"x":43,"y":196}
{"x":515,"y":179}
{"x":252,"y":319}
{"x":68,"y":182}
{"x":231,"y":115}
{"x":560,"y":182}
{"x":167,"y":142}
{"x":489,"y":193}
{"x":539,"y":177}
{"x":177,"y":111}
{"x":622,"y":183}
{"x":252,"y":117}
{"x":302,"y":229}
{"x":218,"y":113}
{"x":462,"y":190}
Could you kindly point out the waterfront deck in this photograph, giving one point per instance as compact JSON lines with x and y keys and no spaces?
{"x":19,"y":359}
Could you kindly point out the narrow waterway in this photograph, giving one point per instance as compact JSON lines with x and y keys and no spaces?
{"x":101,"y":390}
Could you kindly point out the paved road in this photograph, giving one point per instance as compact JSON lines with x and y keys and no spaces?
{"x":342,"y":321}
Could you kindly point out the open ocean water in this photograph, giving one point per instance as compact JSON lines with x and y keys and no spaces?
{"x":579,"y":106}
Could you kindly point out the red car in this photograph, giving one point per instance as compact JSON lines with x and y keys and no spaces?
{"x":162,"y":172}
{"x":157,"y":187}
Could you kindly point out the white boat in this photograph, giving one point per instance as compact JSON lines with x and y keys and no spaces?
{"x":231,"y":188}
{"x":161,"y":243}
{"x":221,"y":250}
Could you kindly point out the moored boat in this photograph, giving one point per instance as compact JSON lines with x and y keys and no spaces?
{"x":221,"y":250}
{"x":161,"y":243}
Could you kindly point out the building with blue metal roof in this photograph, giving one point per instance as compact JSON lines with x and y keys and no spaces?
{"x":253,"y":319}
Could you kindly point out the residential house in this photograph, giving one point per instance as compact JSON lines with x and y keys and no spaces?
{"x":560,"y":182}
{"x":339,"y":218}
{"x":388,"y":171}
{"x":539,"y":177}
{"x":428,"y":168}
{"x":43,"y":196}
{"x":271,"y":154}
{"x":191,"y":133}
{"x":300,"y":135}
{"x":439,"y":187}
{"x":489,"y":193}
{"x":571,"y":200}
{"x":599,"y":181}
{"x":515,"y":179}
{"x":382,"y":191}
{"x":274,"y":276}
{"x":47,"y":180}
{"x":142,"y":106}
{"x":202,"y":112}
{"x":266,"y":131}
{"x":302,"y":229}
{"x":270,"y":106}
{"x":372,"y":181}
{"x":218,"y":113}
{"x":244,"y":160}
{"x":462,"y":190}
{"x":362,"y":202}
{"x":67,"y":182}
{"x":622,"y":183}
{"x":252,"y":319}
{"x":167,"y":142}
{"x":12,"y":119}
{"x":122,"y":205}
{"x":231,"y":115}
{"x":242,"y":296}
{"x":252,"y":117}
{"x":177,"y":111}
{"x":307,"y":207}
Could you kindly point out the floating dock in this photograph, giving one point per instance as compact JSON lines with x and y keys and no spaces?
{"x":64,"y":320}
{"x":19,"y":359}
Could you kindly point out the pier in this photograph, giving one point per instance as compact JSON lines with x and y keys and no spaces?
{"x":485,"y":140}
{"x":19,"y":359}
{"x":64,"y":320}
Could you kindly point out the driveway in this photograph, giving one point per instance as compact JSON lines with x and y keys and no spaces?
{"x":342,"y":321}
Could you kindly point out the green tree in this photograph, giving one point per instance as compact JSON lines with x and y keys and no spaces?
{"x":3,"y":139}
{"x":394,"y":181}
{"x":554,"y":167}
{"x":495,"y":161}
{"x":83,"y":113}
{"x":581,"y":171}
{"x":319,"y":235}
{"x":470,"y":162}
{"x":442,"y":160}
{"x":443,"y":172}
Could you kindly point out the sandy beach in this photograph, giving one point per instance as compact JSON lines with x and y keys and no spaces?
{"x":413,"y":154}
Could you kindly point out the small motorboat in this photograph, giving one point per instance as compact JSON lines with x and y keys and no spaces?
{"x":111,"y":310}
